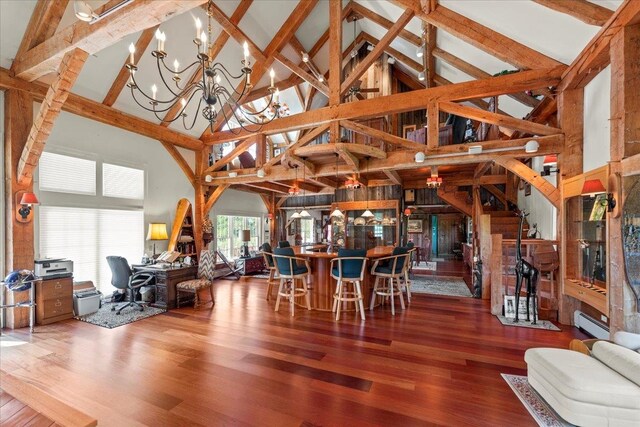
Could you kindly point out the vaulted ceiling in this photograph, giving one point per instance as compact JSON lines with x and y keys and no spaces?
{"x":557,"y":35}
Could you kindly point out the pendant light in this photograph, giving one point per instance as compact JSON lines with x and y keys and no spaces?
{"x":337,"y":212}
{"x":304,"y":213}
{"x":367,"y":213}
{"x":296,"y":215}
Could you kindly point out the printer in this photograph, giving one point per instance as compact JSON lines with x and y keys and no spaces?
{"x":49,"y":268}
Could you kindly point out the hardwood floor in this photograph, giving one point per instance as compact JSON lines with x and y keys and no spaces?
{"x":436,"y":363}
{"x":15,"y":413}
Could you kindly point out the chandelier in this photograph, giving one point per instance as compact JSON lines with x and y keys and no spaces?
{"x":352,"y":184}
{"x":209,"y":91}
{"x":434,"y":182}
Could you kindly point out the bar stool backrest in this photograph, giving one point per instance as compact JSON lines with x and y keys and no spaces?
{"x":267,"y":251}
{"x":284,"y":244}
{"x":401,"y":260}
{"x":284,"y":265}
{"x":351,"y":267}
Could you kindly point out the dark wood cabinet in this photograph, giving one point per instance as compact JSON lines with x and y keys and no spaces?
{"x":54,"y":300}
{"x":166,"y":281}
{"x":250,"y":265}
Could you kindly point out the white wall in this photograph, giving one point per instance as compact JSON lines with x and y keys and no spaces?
{"x":165,"y":181}
{"x":540,"y":210}
{"x":2,"y":210}
{"x":597,"y":128}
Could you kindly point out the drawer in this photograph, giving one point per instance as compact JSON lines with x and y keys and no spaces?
{"x":56,"y":288}
{"x":56,"y":307}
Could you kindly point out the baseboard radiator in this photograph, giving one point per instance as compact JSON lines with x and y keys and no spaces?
{"x":590,"y":325}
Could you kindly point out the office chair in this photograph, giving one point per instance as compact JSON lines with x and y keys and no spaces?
{"x":123,"y":278}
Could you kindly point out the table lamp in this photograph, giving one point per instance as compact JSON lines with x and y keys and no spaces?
{"x":157,"y":231}
{"x":246,"y":238}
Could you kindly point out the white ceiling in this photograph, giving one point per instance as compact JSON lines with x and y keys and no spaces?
{"x":556,"y":35}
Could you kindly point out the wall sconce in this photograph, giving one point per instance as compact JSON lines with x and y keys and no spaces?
{"x":593,"y":187}
{"x":25,"y":201}
{"x":548,"y":165}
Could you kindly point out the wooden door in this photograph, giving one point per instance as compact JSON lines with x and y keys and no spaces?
{"x":448,"y":234}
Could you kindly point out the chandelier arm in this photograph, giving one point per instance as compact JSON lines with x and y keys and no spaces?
{"x":224,"y":70}
{"x":181,"y":113}
{"x":139,"y":89}
{"x":178,"y":72}
{"x":195,"y":116}
{"x":164,"y":81}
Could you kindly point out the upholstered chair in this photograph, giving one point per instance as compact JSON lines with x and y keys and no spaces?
{"x":348,"y":269}
{"x":268,"y":261}
{"x":390,"y":269}
{"x":206,"y":271}
{"x":291,"y":269}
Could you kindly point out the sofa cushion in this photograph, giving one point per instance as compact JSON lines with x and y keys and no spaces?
{"x":622,"y":360}
{"x":583,"y":378}
{"x":627,"y":339}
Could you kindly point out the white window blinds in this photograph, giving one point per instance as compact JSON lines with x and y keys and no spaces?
{"x":66,"y":174}
{"x":121,"y":181}
{"x":88,"y":236}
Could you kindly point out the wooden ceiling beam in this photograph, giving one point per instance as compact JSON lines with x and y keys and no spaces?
{"x":595,"y":56}
{"x":181,"y":161}
{"x":384,"y":22}
{"x":394,"y":176}
{"x":378,"y":50}
{"x":50,"y":108}
{"x":99,"y":112}
{"x":585,"y":11}
{"x":404,"y":159}
{"x":301,"y":142}
{"x":337,"y":147}
{"x":42,"y":25}
{"x":270,"y":186}
{"x":409,"y":62}
{"x":481,"y":169}
{"x":235,"y":32}
{"x":239,"y":149}
{"x":308,"y":77}
{"x":123,"y":75}
{"x":548,"y":190}
{"x":458,"y":180}
{"x":477,"y":73}
{"x":497,"y":119}
{"x":451,"y":198}
{"x":349,"y":159}
{"x":429,"y":60}
{"x":92,"y":38}
{"x":303,"y":185}
{"x":497,"y":193}
{"x":401,"y":102}
{"x":484,"y":38}
{"x":335,"y":51}
{"x":384,"y":136}
{"x":478,"y":102}
{"x":213,"y":198}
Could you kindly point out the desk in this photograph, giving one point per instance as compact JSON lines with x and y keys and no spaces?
{"x":166,"y":281}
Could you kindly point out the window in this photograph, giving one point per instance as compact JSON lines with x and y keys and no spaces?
{"x":87,"y":236}
{"x":66,"y":174}
{"x":123,"y":182}
{"x":229,"y":234}
{"x":306,"y":230}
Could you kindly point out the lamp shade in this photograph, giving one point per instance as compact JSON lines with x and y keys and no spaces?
{"x":157,"y":231}
{"x":367,"y":214}
{"x":592,"y":187}
{"x":246,"y":235}
{"x":550,"y":160}
{"x":29,"y":199}
{"x":337,"y":212}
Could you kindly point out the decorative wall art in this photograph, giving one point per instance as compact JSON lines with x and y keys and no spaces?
{"x":414,"y":226}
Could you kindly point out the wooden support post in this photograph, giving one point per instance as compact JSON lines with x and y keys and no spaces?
{"x":485,"y":254}
{"x":261,"y":150}
{"x":497,"y":287}
{"x":433,"y":126}
{"x":19,"y":249}
{"x":199,"y":211}
{"x":625,"y":143}
{"x":570,"y":119}
{"x":335,"y":52}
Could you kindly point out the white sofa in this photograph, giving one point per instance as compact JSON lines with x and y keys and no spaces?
{"x":598,"y":390}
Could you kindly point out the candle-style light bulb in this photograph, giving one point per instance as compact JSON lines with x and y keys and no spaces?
{"x":198,"y":27}
{"x":245,"y":48}
{"x":132,"y":50}
{"x":272,"y":74}
{"x":163,"y":38}
{"x":320,"y":78}
{"x":277,"y":96}
{"x":154,"y":91}
{"x":176,"y":65}
{"x":203,"y":40}
{"x":158,"y":35}
{"x":218,"y":78}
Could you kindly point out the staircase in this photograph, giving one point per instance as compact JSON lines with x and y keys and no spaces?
{"x":507,"y":224}
{"x":456,"y":198}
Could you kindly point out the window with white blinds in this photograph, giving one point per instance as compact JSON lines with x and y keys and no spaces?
{"x":66,"y":174}
{"x":87,"y":236}
{"x":121,"y":181}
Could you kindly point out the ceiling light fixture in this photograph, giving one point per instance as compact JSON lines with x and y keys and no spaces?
{"x":434,"y":181}
{"x":531,"y":146}
{"x":421,"y":76}
{"x":475,"y":149}
{"x":83,"y":11}
{"x":391,"y":60}
{"x":419,"y":157}
{"x":420,"y":51}
{"x":312,"y":68}
{"x":336,"y":212}
{"x":261,"y":173}
{"x":367,"y":213}
{"x":211,"y":89}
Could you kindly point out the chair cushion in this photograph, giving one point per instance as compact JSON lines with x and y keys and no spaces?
{"x":582,"y":378}
{"x":351,"y":267}
{"x":194,"y":285}
{"x":299,"y":269}
{"x":622,"y":360}
{"x":284,"y":265}
{"x":207,"y":265}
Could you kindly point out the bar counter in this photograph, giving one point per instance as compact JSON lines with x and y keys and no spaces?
{"x":323,"y":285}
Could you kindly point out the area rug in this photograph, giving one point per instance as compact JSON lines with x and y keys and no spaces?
{"x":440,"y":285}
{"x":259,"y":276}
{"x":427,"y":265}
{"x":535,"y":404}
{"x":109,"y":319}
{"x":540,"y":324}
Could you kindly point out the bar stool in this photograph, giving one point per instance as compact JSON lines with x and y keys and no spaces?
{"x":289,"y":271}
{"x":284,"y":244}
{"x":347,"y":269}
{"x":388,"y":269}
{"x":406,"y":284}
{"x":268,"y":261}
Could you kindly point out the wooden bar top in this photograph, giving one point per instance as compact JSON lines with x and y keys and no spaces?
{"x":313,"y":252}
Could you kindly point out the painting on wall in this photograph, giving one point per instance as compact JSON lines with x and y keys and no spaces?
{"x":414,"y":226}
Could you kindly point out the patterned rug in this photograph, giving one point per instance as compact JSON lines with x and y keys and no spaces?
{"x":540,"y":324}
{"x":426,"y":265}
{"x":442,"y":285}
{"x":109,"y":319}
{"x":535,"y":404}
{"x":259,"y":276}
